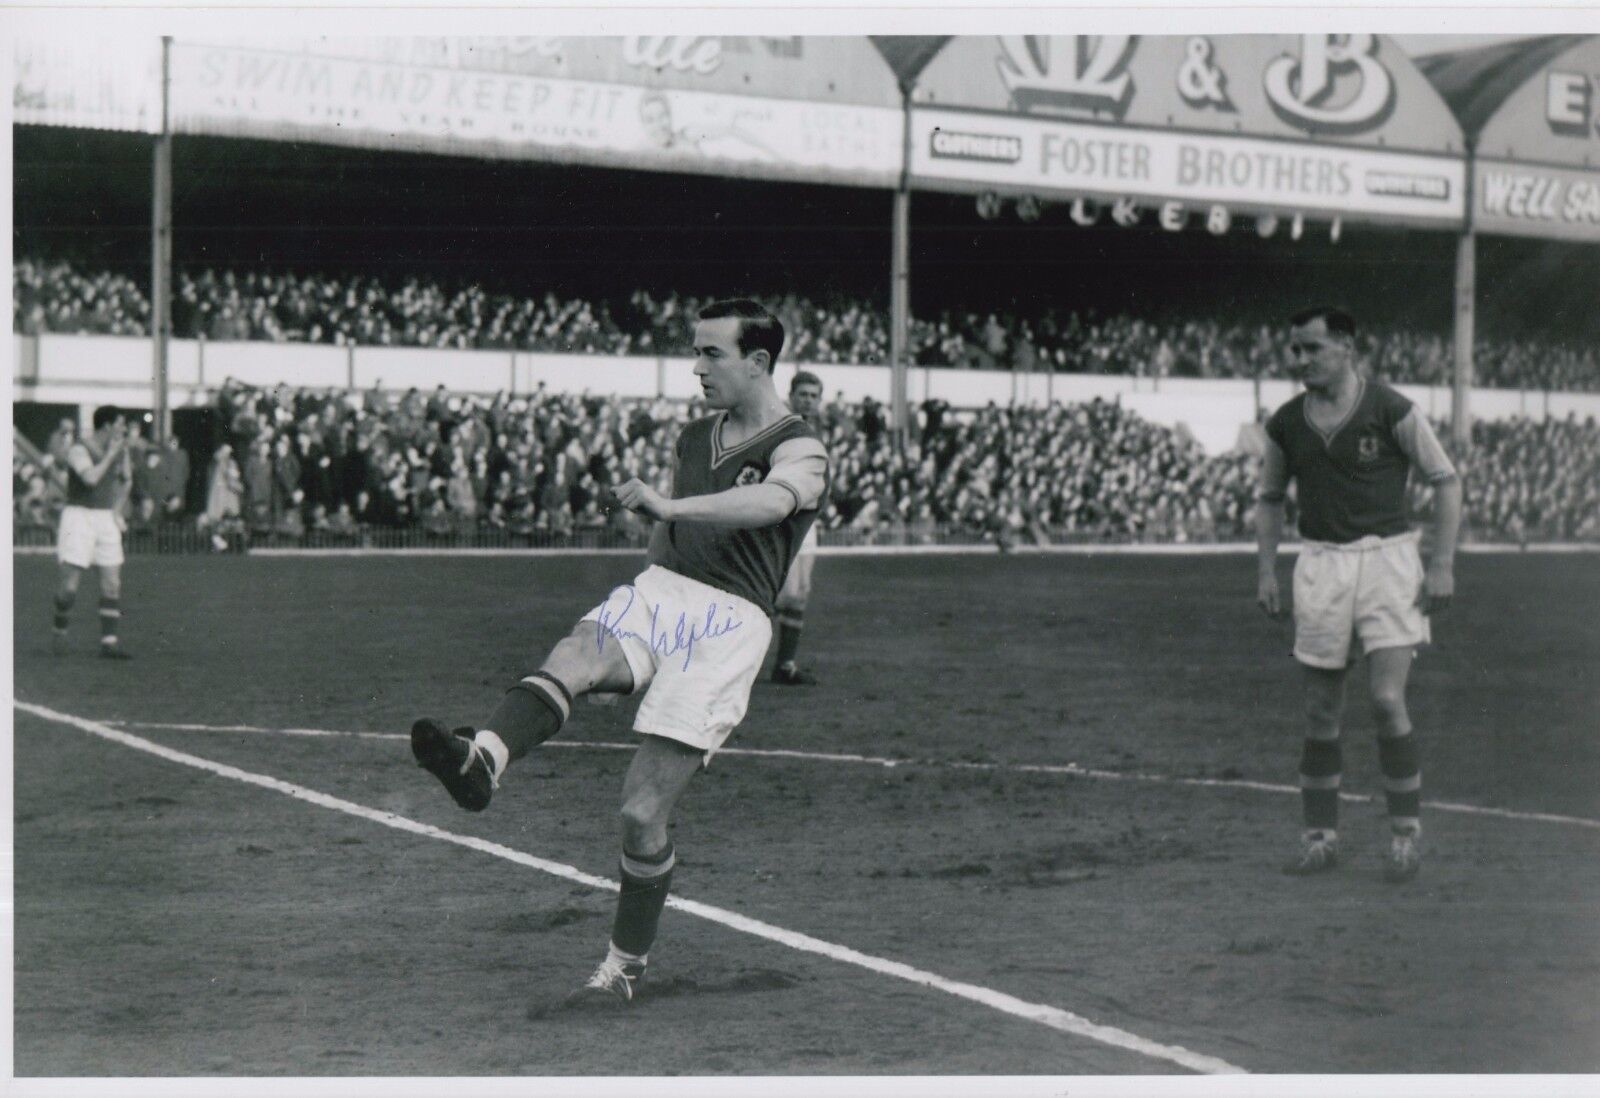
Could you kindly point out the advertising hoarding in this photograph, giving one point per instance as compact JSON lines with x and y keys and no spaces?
{"x":1538,"y":159}
{"x":804,"y":108}
{"x":1338,"y":125}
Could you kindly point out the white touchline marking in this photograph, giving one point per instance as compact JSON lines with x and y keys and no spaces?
{"x":1086,"y":549}
{"x":1069,"y":769}
{"x":1052,"y":1017}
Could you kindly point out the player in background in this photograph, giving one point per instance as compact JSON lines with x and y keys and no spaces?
{"x":99,"y":476}
{"x":1351,"y":443}
{"x":805,"y":401}
{"x":691,"y":630}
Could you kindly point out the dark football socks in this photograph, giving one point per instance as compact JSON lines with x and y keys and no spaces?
{"x":531,"y":712}
{"x":110,"y":618}
{"x":1402,"y":780}
{"x":1321,"y":762}
{"x":646,"y":879}
{"x":790,"y":622}
{"x":64,"y":601}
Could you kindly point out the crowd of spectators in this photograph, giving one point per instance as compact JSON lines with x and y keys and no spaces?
{"x":58,"y":297}
{"x":157,"y":495}
{"x":284,"y":462}
{"x":1536,"y":480}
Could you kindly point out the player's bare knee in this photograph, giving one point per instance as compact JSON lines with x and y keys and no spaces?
{"x":581,"y":665}
{"x":1389,"y":703}
{"x":1322,"y":717}
{"x":111,"y":583}
{"x":644,"y":821}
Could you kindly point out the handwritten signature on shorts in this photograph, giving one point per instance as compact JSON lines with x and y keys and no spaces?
{"x":679,"y":635}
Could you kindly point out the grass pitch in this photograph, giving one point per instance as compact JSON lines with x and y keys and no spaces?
{"x":173,"y":922}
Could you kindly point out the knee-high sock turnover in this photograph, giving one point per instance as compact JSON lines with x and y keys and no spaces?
{"x":646,"y":879}
{"x":110,"y":618}
{"x":1321,"y":765}
{"x":64,"y":601}
{"x":790,"y":622}
{"x":1402,"y":780}
{"x":531,"y":712}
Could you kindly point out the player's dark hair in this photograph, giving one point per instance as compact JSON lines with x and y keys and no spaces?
{"x":804,"y":377}
{"x":1336,"y":320}
{"x":106,"y":415}
{"x":759,"y":330}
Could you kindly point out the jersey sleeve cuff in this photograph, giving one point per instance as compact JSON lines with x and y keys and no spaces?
{"x":792,"y":491}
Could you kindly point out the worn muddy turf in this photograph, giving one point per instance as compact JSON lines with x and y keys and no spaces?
{"x":173,"y":921}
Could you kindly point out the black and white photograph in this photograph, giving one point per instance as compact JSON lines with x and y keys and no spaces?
{"x":850,"y":550}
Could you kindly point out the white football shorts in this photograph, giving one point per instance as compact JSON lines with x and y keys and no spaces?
{"x":694,"y":649}
{"x":88,"y":535}
{"x":1367,"y":590}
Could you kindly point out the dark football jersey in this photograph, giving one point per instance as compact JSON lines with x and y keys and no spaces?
{"x":1353,"y":479}
{"x":748,"y":563}
{"x":103,"y":495}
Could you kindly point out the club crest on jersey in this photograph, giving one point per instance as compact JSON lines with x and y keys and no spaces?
{"x":749,"y":473}
{"x":1367,"y":449}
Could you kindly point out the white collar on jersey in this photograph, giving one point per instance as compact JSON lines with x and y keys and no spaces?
{"x":720,"y":453}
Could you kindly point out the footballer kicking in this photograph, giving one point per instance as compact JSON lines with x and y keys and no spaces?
{"x":99,"y":476}
{"x":805,"y":401}
{"x":691,"y":630}
{"x":1351,"y":444}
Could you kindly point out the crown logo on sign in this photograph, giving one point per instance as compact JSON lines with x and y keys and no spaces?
{"x":1067,"y":72}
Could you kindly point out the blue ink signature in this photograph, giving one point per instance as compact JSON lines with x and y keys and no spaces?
{"x":683,"y":633}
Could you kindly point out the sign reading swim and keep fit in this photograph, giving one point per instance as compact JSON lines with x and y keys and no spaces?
{"x":822,"y":108}
{"x":1337,"y":125}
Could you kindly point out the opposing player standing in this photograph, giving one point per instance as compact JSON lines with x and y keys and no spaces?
{"x":691,"y":630}
{"x":99,"y":476}
{"x":1351,"y":444}
{"x":805,"y":401}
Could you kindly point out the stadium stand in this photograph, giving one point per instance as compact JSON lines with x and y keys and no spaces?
{"x":57,"y":296}
{"x":300,"y":466}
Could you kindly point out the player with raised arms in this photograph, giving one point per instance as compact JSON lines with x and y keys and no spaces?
{"x":691,"y":630}
{"x":99,"y":476}
{"x":1351,"y":444}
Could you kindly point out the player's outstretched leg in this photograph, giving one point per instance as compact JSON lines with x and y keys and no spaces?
{"x":470,"y":764}
{"x":660,"y":772}
{"x":1321,"y":766}
{"x":1389,"y":669}
{"x":457,"y":760}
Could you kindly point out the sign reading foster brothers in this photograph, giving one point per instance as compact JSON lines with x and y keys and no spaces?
{"x":1538,"y":165}
{"x":1335,"y":124}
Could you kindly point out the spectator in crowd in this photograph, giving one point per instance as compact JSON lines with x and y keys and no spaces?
{"x":37,"y":496}
{"x":224,"y":498}
{"x":257,"y":477}
{"x":171,"y":483}
{"x":61,"y":440}
{"x":287,"y":494}
{"x":145,"y":503}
